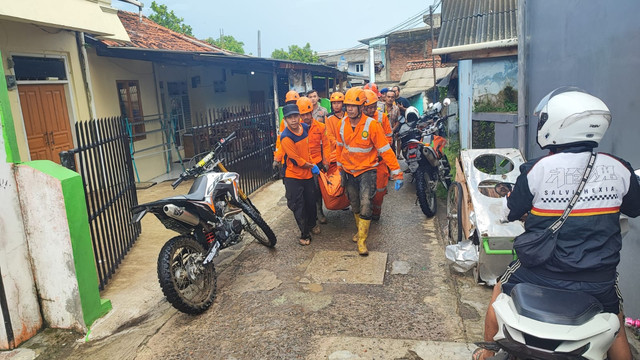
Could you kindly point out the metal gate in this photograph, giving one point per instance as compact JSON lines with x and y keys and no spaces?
{"x":251,"y":153}
{"x":103,"y":160}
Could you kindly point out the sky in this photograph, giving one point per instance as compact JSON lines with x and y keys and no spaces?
{"x":288,"y":22}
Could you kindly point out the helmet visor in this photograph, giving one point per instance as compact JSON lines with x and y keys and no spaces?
{"x":543,"y":117}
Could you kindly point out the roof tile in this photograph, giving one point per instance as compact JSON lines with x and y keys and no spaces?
{"x":146,"y":34}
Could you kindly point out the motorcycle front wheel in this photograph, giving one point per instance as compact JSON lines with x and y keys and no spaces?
{"x":188,"y":285}
{"x":426,"y":181}
{"x":256,"y":226}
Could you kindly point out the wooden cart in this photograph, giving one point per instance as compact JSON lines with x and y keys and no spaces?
{"x":474,"y":209}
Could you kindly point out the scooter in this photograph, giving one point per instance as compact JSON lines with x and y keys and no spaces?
{"x":536,"y":322}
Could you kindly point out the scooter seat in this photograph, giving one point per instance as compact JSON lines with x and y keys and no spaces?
{"x":554,"y":306}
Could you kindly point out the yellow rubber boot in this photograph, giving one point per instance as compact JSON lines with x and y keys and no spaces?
{"x":363,"y":232}
{"x":355,"y":237}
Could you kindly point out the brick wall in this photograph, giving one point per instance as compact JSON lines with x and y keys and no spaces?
{"x":406,"y":48}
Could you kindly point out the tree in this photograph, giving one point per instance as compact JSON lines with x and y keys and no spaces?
{"x":162,"y":16}
{"x":297,"y":53}
{"x":228,"y":43}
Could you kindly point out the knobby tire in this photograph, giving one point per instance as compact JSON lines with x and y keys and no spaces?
{"x":169,"y":284}
{"x":425,"y":193}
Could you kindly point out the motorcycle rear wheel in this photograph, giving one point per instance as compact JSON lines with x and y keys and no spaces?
{"x":256,"y":226}
{"x":188,"y":285}
{"x":426,"y":193}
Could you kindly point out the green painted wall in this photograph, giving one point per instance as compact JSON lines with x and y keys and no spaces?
{"x":6,"y":120}
{"x":72,"y":189}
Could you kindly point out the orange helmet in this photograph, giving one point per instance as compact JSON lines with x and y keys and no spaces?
{"x":292,"y":95}
{"x":372,"y":98}
{"x":304,"y":105}
{"x":372,"y":87}
{"x":354,"y":96}
{"x":337,"y":96}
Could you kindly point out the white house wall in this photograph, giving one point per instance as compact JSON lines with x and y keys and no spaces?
{"x":15,"y":266}
{"x":50,"y":248}
{"x":105,"y":71}
{"x":30,"y":40}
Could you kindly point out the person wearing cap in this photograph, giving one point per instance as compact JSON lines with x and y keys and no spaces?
{"x":298,"y":172}
{"x":290,"y":98}
{"x":361,"y":140}
{"x":333,"y":122}
{"x":319,"y":112}
{"x":319,"y":147}
{"x":382,"y":174}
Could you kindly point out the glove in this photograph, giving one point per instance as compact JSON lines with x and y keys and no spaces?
{"x":276,"y":165}
{"x":315,"y":170}
{"x":399,"y":184}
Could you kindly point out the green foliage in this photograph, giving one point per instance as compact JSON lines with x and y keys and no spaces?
{"x":505,"y":101}
{"x":227,"y":42}
{"x":483,"y":135}
{"x":296,"y":53}
{"x":442,"y":93}
{"x":162,"y":16}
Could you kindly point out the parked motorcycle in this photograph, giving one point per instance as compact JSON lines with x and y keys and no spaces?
{"x":422,"y":146}
{"x":215,"y":214}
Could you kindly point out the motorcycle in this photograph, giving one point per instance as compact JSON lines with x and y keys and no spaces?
{"x":422,"y":146}
{"x":536,"y":322}
{"x":214,"y":215}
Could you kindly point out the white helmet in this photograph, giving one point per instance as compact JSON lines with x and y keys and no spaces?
{"x":411,"y":110}
{"x":569,"y":115}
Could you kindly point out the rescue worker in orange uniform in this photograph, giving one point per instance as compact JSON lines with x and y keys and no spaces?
{"x":319,"y":146}
{"x":382,"y":178}
{"x":299,"y":171}
{"x":333,"y":122}
{"x":361,"y":140}
{"x":290,"y":98}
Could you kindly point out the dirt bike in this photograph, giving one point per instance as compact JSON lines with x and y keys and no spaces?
{"x":422,"y":146}
{"x":214,"y":215}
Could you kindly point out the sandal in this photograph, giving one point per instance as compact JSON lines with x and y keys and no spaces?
{"x":478,"y":354}
{"x":305,"y":242}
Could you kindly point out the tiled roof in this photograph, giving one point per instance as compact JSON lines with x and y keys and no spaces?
{"x":146,"y":34}
{"x":467,"y":22}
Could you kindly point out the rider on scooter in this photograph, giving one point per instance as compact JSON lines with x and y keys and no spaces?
{"x":570,"y":124}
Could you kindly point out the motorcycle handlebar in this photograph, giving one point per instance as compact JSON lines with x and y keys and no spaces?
{"x":177,"y":182}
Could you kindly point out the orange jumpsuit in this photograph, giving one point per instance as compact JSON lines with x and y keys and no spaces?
{"x":279,"y":154}
{"x":333,"y":129}
{"x":382,"y":176}
{"x":358,"y":150}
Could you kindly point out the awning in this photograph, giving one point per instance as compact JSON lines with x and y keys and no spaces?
{"x":416,"y":81}
{"x":88,"y":16}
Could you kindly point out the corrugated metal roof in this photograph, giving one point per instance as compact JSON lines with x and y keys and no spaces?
{"x":467,"y":22}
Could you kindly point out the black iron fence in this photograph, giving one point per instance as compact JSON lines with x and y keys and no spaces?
{"x":251,"y":153}
{"x":103,"y":160}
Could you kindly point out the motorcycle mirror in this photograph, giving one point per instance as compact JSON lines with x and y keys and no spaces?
{"x":446,"y":101}
{"x":503,"y":188}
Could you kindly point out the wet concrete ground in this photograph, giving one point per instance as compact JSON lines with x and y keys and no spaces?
{"x":272,"y":305}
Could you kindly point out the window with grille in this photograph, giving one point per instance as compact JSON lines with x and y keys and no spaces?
{"x":131,"y":106}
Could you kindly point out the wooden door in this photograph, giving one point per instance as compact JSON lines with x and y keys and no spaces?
{"x":46,"y":120}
